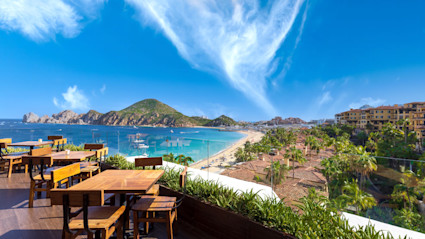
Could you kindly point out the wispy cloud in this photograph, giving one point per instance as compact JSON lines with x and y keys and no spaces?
{"x":74,"y":99}
{"x":238,"y":39}
{"x":325,"y":98}
{"x":103,"y":89}
{"x":367,"y":101}
{"x":41,"y":20}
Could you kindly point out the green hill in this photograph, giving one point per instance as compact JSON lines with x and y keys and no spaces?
{"x":221,"y":121}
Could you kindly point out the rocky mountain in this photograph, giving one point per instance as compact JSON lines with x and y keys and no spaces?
{"x":146,"y":112}
{"x":290,"y":120}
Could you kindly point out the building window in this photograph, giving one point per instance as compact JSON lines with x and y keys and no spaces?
{"x":382,"y":117}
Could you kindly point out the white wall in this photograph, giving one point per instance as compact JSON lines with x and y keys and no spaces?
{"x":396,"y":231}
{"x":236,"y":184}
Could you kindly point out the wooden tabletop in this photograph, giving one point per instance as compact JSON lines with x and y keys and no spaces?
{"x":30,"y":144}
{"x":73,"y":156}
{"x":121,"y":181}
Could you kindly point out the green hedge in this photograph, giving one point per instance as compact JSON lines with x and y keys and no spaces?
{"x":314,"y":218}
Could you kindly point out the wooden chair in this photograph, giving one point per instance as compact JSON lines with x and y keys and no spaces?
{"x":53,"y":137}
{"x":37,"y":182}
{"x":157,"y":205}
{"x":145,"y":162}
{"x":62,"y":175}
{"x":101,"y":154}
{"x":60,"y":144}
{"x":89,"y":169}
{"x":10,"y":160}
{"x":96,"y":219}
{"x":92,"y":147}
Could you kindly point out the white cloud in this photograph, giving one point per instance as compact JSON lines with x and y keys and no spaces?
{"x":366,"y":101}
{"x":74,"y":99}
{"x":103,"y":89}
{"x":41,"y":20}
{"x":325,"y":98}
{"x":239,"y":39}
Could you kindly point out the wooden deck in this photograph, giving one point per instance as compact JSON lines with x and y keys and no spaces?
{"x":43,"y":221}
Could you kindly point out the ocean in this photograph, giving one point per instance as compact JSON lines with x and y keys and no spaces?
{"x":198,"y":143}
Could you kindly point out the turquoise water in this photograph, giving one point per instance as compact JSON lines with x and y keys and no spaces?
{"x":199,"y":143}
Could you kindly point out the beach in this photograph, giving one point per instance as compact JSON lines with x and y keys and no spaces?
{"x":225,"y":158}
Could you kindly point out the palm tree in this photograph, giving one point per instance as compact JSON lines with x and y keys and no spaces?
{"x":184,"y":160}
{"x":308,"y":142}
{"x":296,"y":155}
{"x":352,"y":195}
{"x":408,"y":189}
{"x":364,"y":164}
{"x":168,"y":157}
{"x":277,"y":172}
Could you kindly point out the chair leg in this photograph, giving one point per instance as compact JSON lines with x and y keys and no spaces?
{"x":147,"y":224}
{"x":169,"y":225}
{"x":11,"y":165}
{"x":104,"y":234}
{"x":119,"y":228}
{"x":135,"y":224}
{"x":39,"y":192}
{"x":31,"y":199}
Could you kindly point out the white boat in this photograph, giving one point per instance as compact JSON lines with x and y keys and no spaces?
{"x":142,"y":146}
{"x":145,"y":155}
{"x":171,"y":131}
{"x":138,"y":141}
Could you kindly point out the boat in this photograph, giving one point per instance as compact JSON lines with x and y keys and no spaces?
{"x":138,"y":141}
{"x":142,"y":146}
{"x":171,"y":131}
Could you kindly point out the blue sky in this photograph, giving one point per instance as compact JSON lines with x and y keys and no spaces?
{"x":246,"y":59}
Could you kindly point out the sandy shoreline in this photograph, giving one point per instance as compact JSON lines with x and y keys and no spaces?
{"x":219,"y":161}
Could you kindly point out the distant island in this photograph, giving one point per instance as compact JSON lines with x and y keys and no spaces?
{"x":148,"y":112}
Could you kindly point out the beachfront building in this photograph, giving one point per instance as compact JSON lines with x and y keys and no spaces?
{"x":373,"y":119}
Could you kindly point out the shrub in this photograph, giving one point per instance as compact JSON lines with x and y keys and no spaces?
{"x":315,"y":217}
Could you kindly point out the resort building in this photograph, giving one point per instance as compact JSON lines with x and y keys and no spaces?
{"x":372,"y":119}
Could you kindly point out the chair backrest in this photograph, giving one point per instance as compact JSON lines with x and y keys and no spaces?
{"x":182,"y":178}
{"x":145,"y":162}
{"x":6,"y":140}
{"x":37,"y":160}
{"x":3,"y":145}
{"x":76,"y":198}
{"x":94,"y":146}
{"x":101,"y":153}
{"x":60,"y":144}
{"x":41,"y":151}
{"x":65,"y":172}
{"x":53,"y":137}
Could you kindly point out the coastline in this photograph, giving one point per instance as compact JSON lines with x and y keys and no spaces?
{"x":224,"y":158}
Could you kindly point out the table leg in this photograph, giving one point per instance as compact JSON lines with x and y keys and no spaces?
{"x":123,"y":201}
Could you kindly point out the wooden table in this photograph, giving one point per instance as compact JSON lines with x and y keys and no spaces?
{"x":30,"y":144}
{"x":72,"y":157}
{"x":121,"y":182}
